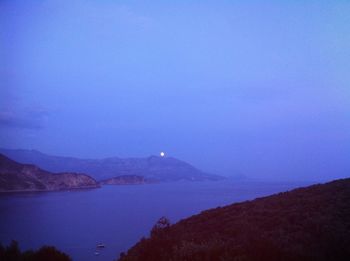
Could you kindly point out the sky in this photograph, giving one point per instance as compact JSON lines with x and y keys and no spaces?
{"x":239,"y":88}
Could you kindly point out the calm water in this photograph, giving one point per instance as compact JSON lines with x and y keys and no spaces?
{"x":118,"y":216}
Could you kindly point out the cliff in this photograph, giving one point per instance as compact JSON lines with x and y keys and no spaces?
{"x":310,"y":223}
{"x":25,"y":177}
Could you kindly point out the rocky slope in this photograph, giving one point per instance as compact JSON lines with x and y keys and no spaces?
{"x":310,"y":223}
{"x":161,"y":169}
{"x":24,"y":177}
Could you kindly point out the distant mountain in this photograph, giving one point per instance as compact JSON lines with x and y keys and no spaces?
{"x":24,"y":177}
{"x":310,"y":223}
{"x":162,"y":169}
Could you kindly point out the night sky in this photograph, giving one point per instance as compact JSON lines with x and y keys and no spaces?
{"x":254,"y":88}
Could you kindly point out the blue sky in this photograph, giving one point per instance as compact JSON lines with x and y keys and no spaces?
{"x":255,"y":88}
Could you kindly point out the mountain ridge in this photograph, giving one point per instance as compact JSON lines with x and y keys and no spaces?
{"x":161,"y":169}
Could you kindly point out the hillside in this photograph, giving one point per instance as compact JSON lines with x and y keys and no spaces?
{"x":24,"y":177}
{"x":154,"y":168}
{"x":311,"y":223}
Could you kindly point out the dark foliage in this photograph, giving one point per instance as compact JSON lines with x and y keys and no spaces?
{"x":46,"y":253}
{"x":310,"y":223}
{"x":162,"y":224}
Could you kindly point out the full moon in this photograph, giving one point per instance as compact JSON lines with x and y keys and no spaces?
{"x":162,"y":154}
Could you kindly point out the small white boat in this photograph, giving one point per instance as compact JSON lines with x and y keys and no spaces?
{"x":97,"y":253}
{"x":100,"y":245}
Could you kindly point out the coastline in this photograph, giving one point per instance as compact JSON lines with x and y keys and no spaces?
{"x":47,"y":190}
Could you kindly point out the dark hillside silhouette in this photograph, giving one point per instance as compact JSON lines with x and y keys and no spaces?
{"x":310,"y":223}
{"x":45,"y":253}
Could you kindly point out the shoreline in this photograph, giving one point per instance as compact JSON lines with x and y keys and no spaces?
{"x":47,"y":190}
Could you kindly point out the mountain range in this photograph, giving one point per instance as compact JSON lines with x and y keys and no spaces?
{"x":152,"y":169}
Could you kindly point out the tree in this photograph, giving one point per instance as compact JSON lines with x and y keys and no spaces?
{"x":46,"y":253}
{"x":162,"y":224}
{"x":12,"y":252}
{"x":50,"y":253}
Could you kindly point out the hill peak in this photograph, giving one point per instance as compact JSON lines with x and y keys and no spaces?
{"x":154,"y":167}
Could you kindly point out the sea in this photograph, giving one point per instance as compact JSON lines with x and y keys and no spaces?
{"x":77,"y":221}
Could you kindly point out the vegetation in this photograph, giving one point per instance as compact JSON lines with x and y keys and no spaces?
{"x":162,"y":224}
{"x":46,"y":253}
{"x":310,"y":223}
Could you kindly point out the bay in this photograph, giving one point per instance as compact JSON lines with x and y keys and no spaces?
{"x":117,"y":216}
